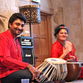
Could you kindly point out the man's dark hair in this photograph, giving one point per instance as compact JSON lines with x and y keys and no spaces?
{"x":16,"y":16}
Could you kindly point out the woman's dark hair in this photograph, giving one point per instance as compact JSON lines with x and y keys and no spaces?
{"x":58,"y":28}
{"x":16,"y":16}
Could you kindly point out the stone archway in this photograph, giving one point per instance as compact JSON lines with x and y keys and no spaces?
{"x":3,"y":23}
{"x":2,"y":29}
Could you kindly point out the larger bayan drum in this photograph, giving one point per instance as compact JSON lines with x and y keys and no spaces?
{"x":74,"y":69}
{"x":52,"y":69}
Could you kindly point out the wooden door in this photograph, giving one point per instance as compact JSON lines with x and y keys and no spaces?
{"x":42,"y":39}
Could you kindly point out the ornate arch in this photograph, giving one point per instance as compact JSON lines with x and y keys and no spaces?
{"x":2,"y":23}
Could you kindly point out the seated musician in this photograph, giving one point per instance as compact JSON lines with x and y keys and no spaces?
{"x":63,"y":48}
{"x":12,"y":68}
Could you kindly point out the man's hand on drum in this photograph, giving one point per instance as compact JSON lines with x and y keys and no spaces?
{"x":34,"y":72}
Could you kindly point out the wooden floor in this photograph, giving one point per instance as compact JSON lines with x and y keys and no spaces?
{"x":76,"y":81}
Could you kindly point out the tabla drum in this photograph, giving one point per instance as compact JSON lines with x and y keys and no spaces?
{"x":52,"y":69}
{"x":74,"y":69}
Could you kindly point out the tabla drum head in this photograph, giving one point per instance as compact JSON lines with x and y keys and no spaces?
{"x":56,"y":60}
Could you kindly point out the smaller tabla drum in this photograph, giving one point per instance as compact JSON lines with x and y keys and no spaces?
{"x":52,"y":69}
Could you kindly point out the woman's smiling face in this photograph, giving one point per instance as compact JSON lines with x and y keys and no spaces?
{"x":62,"y":35}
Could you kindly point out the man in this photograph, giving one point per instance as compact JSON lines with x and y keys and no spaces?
{"x":12,"y":68}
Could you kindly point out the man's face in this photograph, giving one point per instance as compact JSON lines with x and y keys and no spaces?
{"x":16,"y":27}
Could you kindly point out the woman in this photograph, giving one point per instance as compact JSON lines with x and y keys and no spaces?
{"x":63,"y":48}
